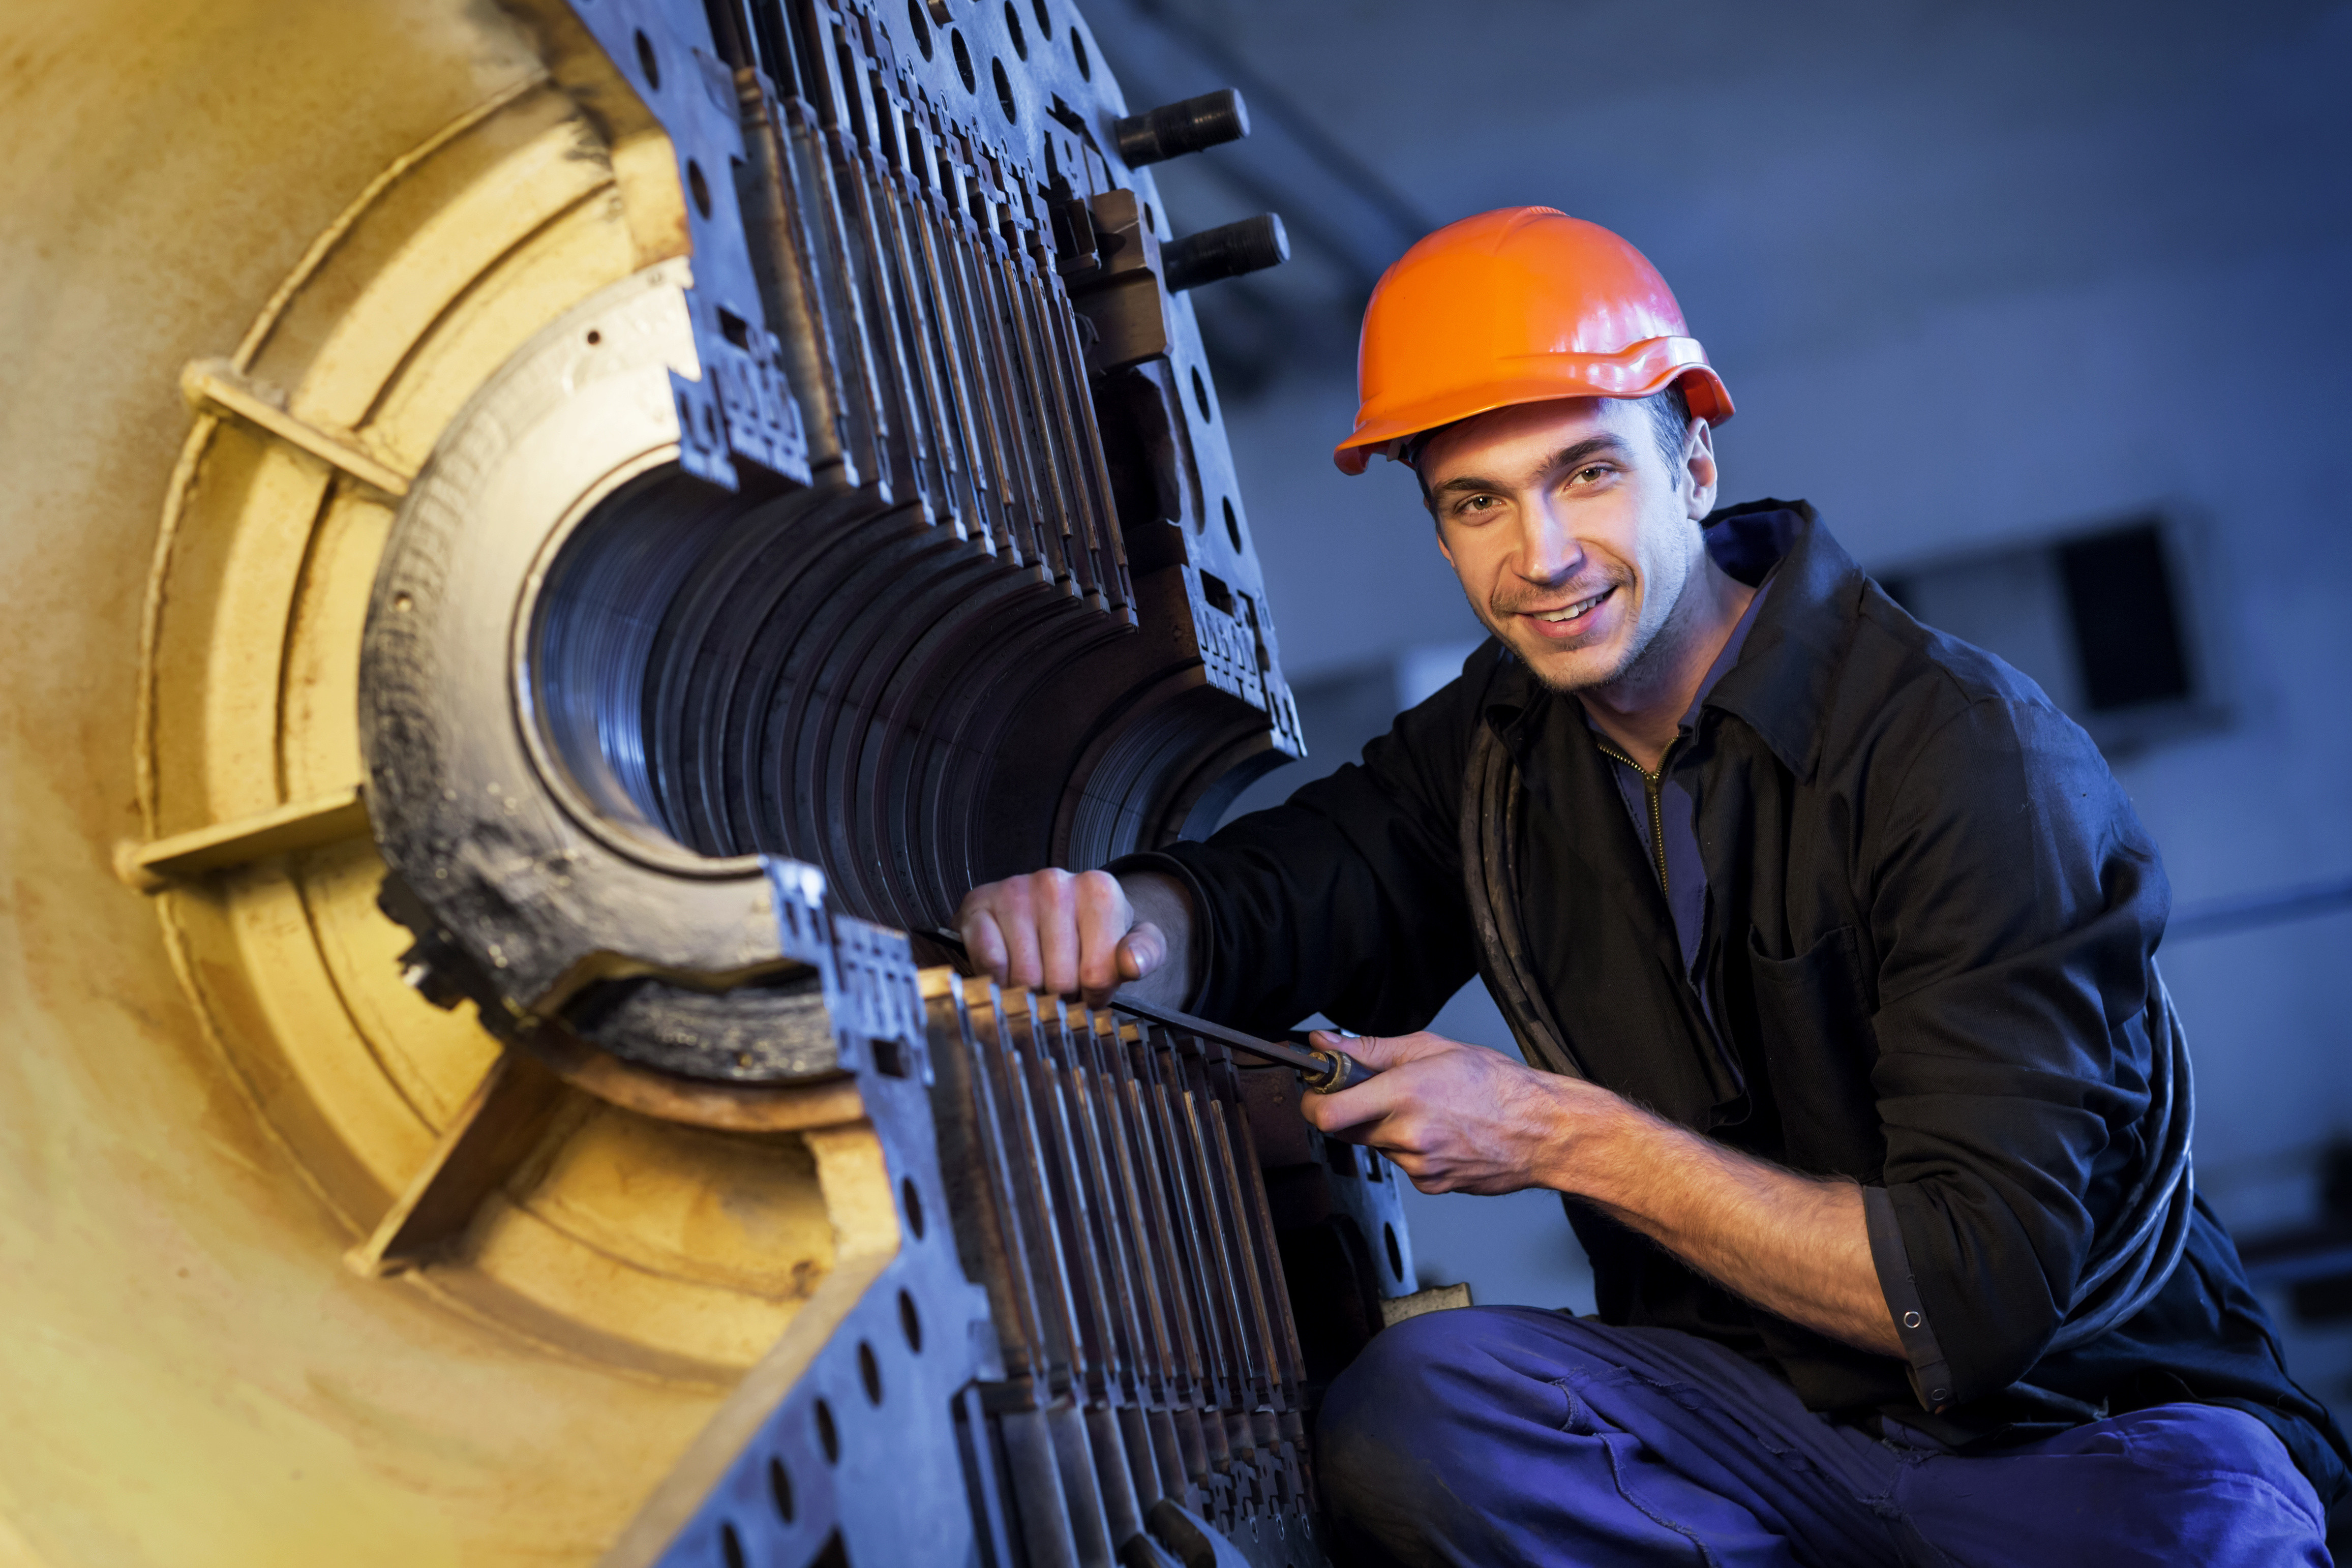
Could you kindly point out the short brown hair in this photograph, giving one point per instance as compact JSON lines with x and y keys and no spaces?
{"x":1670,"y":419}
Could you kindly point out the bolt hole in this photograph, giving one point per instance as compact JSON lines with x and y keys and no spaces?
{"x":700,"y":186}
{"x":647,"y":62}
{"x":1234,"y":533}
{"x":962,"y":59}
{"x":729,"y":1542}
{"x":911,"y":1321}
{"x":1150,"y":219}
{"x":828,"y":1435}
{"x":594,"y":337}
{"x":1013,"y":30}
{"x":869,"y":1372}
{"x":403,"y":602}
{"x":1045,"y":18}
{"x":920,"y":25}
{"x":780,"y":1488}
{"x":1201,"y":394}
{"x":912,"y":1197}
{"x":1396,"y":1253}
{"x":1078,"y":53}
{"x":1004,"y":99}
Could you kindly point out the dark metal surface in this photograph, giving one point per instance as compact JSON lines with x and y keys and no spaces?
{"x":634,"y":69}
{"x":863,"y":1448}
{"x":771,"y":599}
{"x":1339,"y":1221}
{"x":1229,"y":250}
{"x":1011,"y":618}
{"x":1088,"y":1324}
{"x":1188,"y":125}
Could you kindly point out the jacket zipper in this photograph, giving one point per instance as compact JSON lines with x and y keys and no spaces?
{"x":1651,"y":783}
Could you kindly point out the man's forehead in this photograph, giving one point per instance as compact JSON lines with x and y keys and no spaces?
{"x":1524,"y":437}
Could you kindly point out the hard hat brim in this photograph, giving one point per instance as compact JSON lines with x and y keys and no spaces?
{"x":1639,"y":371}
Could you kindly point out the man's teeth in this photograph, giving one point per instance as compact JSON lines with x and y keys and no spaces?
{"x":1575,"y":611}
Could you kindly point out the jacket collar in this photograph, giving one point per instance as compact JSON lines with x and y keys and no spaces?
{"x":1779,"y":684}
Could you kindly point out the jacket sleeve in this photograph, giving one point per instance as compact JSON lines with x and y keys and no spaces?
{"x":1346,"y":898}
{"x":2015,"y":903}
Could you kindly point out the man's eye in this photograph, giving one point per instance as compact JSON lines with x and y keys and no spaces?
{"x":1476,"y":503}
{"x":1593,"y":475}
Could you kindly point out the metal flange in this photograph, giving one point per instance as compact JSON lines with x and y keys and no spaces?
{"x":532,"y":880}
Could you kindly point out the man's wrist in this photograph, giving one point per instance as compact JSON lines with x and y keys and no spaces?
{"x":1591,"y":1140}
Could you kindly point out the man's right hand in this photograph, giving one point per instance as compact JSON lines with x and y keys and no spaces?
{"x":1083,"y":934}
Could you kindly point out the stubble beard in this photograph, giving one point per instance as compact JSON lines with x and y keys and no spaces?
{"x":1638,"y":649}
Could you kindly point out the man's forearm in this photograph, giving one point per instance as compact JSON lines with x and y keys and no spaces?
{"x":1795,"y":1245}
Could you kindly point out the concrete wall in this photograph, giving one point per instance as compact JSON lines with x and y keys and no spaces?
{"x":1973,"y":273}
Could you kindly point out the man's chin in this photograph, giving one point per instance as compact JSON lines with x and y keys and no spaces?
{"x":1568,"y":670}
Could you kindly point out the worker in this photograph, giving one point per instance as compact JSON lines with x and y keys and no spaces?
{"x":1830,"y":946}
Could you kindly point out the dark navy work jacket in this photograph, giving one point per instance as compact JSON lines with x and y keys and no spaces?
{"x":1931,"y":922}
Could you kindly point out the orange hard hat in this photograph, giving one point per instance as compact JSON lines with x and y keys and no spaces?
{"x":1519,"y":305}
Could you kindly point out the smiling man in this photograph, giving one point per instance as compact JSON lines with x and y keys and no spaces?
{"x":1829,"y":946}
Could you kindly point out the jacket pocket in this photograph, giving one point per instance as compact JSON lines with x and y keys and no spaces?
{"x":1814,"y":1020}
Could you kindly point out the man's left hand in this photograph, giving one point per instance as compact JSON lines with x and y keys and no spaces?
{"x":1457,"y":1118}
{"x":1463,"y":1119}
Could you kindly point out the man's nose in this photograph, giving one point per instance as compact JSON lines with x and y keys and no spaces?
{"x":1548,"y":551}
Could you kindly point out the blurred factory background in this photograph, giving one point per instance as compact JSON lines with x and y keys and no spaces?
{"x":2045,"y":307}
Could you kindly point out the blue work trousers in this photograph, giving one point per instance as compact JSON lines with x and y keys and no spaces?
{"x":1509,"y":1435}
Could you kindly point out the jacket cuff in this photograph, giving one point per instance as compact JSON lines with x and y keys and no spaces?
{"x":1204,"y":925}
{"x":1931,"y":1376}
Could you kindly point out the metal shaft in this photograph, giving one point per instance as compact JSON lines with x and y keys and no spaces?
{"x":1325,"y":1072}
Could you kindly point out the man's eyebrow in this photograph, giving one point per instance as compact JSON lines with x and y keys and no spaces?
{"x":1584,"y":451}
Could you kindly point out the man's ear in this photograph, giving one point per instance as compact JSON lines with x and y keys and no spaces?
{"x":1700,"y":479}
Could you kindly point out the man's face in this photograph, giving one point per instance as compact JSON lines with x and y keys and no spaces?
{"x":1573,"y":536}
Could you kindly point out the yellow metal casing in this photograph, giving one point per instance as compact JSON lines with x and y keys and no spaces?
{"x":255,"y":255}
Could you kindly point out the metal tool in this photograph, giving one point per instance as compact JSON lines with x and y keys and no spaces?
{"x":1325,"y":1072}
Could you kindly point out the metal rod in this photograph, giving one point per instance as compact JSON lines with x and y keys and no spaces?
{"x":1325,"y":1072}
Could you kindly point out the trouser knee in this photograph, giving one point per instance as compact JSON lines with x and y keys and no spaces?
{"x":1398,"y":1418}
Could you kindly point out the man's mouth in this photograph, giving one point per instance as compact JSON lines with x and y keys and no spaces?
{"x":1575,"y":612}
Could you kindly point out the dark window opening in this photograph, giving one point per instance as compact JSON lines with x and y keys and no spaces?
{"x":2127,"y":632}
{"x":1214,"y":589}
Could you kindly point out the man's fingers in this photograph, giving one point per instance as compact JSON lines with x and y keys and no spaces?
{"x":1016,"y":915}
{"x":1141,"y":952}
{"x":1385,"y":1050}
{"x":982,"y":942}
{"x":1421,"y":1170}
{"x":1103,"y":918}
{"x":1055,"y":933}
{"x":1372,"y":1050}
{"x":1059,"y":940}
{"x":1454,"y":1118}
{"x":1350,"y":1111}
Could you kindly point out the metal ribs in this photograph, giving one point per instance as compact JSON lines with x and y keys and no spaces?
{"x":1105,"y":1190}
{"x":1012,"y":619}
{"x":945,"y":349}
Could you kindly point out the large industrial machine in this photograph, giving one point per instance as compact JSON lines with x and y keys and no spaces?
{"x":547,"y":543}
